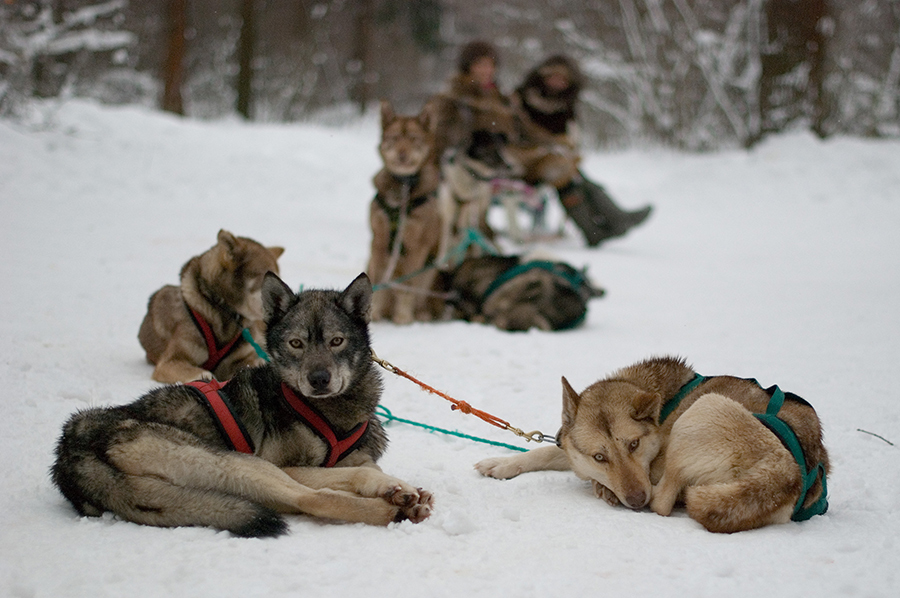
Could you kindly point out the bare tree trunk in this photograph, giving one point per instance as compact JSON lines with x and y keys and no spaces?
{"x":360,"y":93}
{"x":817,"y":53}
{"x":245,"y":59}
{"x":174,"y":66}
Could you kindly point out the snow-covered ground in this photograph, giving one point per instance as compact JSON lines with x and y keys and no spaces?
{"x":781,"y":263}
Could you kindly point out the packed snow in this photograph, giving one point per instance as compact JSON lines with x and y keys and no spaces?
{"x":780,"y":263}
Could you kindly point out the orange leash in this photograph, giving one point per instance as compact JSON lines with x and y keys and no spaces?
{"x":536,"y":435}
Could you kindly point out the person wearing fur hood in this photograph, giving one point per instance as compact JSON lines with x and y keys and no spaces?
{"x":473,"y":101}
{"x":549,"y":96}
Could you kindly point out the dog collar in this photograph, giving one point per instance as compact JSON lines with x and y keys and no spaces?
{"x":216,"y":353}
{"x":337,"y":448}
{"x":394,"y":212}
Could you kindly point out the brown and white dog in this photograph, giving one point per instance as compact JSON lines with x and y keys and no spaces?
{"x":404,"y":216}
{"x":655,"y":433}
{"x":194,"y":331}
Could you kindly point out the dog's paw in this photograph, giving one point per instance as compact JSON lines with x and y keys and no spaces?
{"x":605,"y":493}
{"x":205,"y":376}
{"x":405,"y":496}
{"x":420,"y":509}
{"x":502,"y":468}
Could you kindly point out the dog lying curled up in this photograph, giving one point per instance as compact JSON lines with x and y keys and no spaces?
{"x":657,"y":433}
{"x":515,"y":293}
{"x":297,"y":435}
{"x":194,"y":330}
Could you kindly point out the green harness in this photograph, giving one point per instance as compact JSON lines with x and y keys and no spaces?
{"x":784,"y":433}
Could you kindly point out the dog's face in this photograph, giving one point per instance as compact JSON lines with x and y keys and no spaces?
{"x":407,"y":142}
{"x":318,"y":340}
{"x":235,"y":268}
{"x":610,"y":434}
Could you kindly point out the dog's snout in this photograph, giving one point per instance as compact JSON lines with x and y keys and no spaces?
{"x":319,"y":380}
{"x":636,"y":500}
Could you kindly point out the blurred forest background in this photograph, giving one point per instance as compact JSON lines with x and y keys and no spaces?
{"x":697,"y":74}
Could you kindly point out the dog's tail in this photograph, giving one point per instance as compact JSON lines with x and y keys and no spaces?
{"x":85,"y":475}
{"x":165,"y":505}
{"x":765,"y":495}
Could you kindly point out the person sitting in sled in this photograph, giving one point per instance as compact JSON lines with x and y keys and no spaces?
{"x":548,"y":96}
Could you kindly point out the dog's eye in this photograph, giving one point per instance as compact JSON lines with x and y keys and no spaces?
{"x":599,"y":457}
{"x":296,"y":343}
{"x":337,"y":341}
{"x":634,"y":444}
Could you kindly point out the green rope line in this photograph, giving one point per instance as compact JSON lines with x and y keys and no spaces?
{"x":386,"y":413}
{"x":260,"y":352}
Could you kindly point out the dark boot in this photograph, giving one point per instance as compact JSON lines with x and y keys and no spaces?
{"x":592,"y":224}
{"x":618,"y":221}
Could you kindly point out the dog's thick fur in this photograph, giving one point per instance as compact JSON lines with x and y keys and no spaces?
{"x":731,"y":471}
{"x":224,"y":286}
{"x":162,"y":461}
{"x":540,"y":297}
{"x":406,"y":193}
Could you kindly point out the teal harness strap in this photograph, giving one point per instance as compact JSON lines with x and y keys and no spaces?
{"x":672,"y":404}
{"x":784,"y":433}
{"x":787,"y":436}
{"x":575,"y":279}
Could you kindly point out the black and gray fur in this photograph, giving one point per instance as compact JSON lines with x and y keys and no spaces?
{"x":162,"y":461}
{"x":548,"y":296}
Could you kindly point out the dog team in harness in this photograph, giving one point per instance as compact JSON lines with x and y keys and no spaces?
{"x":472,"y":147}
{"x":242,"y":435}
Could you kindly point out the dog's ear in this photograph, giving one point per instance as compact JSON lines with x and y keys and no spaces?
{"x":646,"y":406}
{"x":276,"y":251}
{"x":570,"y":403}
{"x":226,"y":238}
{"x":387,"y":113}
{"x":356,"y":299}
{"x":276,"y":296}
{"x":229,"y":244}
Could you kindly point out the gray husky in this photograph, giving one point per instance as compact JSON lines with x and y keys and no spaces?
{"x":235,"y":455}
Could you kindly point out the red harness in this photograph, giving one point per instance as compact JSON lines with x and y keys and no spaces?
{"x":238,"y":439}
{"x":216,"y":353}
{"x":337,"y":448}
{"x":228,"y":422}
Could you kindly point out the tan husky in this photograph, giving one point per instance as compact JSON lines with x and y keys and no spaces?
{"x":194,"y":331}
{"x":405,"y":220}
{"x":656,"y":433}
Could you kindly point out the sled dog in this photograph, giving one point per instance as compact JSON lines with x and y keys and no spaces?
{"x":656,"y":432}
{"x":404,"y":216}
{"x":194,"y":331}
{"x":235,"y":456}
{"x":519,"y":293}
